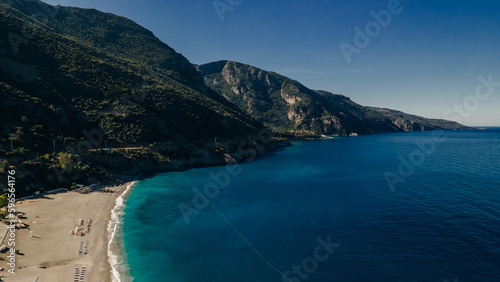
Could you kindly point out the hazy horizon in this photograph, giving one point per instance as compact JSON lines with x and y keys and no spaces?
{"x":420,"y":57}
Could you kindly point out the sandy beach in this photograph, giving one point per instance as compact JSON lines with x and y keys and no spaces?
{"x":49,"y":252}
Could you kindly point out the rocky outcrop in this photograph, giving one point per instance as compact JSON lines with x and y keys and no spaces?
{"x":287,"y":106}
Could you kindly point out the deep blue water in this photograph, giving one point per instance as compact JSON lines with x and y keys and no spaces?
{"x":442,"y":223}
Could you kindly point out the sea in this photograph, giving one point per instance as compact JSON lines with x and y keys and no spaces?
{"x":414,"y":206}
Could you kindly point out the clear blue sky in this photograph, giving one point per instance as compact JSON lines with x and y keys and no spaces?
{"x":426,"y":59}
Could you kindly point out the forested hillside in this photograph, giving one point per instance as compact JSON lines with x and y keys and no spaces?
{"x":73,"y":81}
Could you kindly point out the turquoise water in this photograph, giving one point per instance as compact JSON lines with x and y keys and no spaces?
{"x":325,"y":210}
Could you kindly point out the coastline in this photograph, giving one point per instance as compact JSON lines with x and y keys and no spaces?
{"x":52,"y":254}
{"x":48,"y":251}
{"x":116,"y":251}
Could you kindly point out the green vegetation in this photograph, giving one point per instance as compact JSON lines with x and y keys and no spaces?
{"x":4,"y":166}
{"x":76,"y":82}
{"x":82,"y":80}
{"x":66,"y":161}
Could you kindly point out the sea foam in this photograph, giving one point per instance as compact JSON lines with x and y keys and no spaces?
{"x":116,"y":255}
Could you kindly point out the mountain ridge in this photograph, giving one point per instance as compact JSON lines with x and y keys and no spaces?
{"x":287,"y":106}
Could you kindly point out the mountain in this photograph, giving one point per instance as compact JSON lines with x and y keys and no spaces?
{"x":88,"y":95}
{"x":74,"y":81}
{"x":289,"y":107}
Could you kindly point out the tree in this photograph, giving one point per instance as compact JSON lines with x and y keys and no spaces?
{"x":3,"y":200}
{"x":66,"y":161}
{"x":18,"y":135}
{"x":4,"y":166}
{"x":3,"y":214}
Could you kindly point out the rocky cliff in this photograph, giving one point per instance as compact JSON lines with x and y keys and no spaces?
{"x":287,"y":106}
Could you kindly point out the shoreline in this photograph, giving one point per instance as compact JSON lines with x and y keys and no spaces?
{"x":115,"y":224}
{"x":48,"y":248}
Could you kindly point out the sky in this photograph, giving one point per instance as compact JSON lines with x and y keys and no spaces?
{"x":433,"y":58}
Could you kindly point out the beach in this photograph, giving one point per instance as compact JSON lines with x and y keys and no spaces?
{"x":48,"y":251}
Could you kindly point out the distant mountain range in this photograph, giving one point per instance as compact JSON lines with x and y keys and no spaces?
{"x":74,"y":82}
{"x":287,"y":106}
